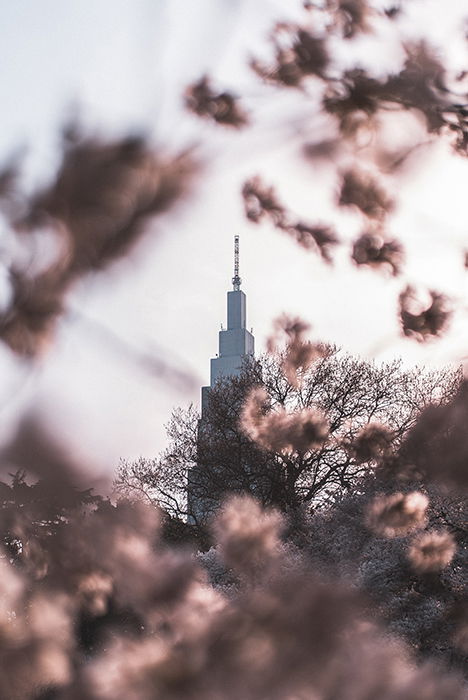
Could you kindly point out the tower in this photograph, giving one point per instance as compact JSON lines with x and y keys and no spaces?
{"x":235,"y":341}
{"x":235,"y":344}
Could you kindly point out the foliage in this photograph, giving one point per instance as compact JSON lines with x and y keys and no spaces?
{"x":32,"y":513}
{"x":272,"y":449}
{"x":425,"y":606}
{"x":115,"y":614}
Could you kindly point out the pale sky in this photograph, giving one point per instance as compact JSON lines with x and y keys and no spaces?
{"x":125,"y":64}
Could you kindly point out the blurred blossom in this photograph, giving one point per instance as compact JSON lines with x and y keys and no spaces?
{"x":372,"y":249}
{"x":354,"y":16}
{"x":103,"y":196}
{"x":419,"y":86}
{"x":124,"y":672}
{"x":362,"y":191}
{"x":319,"y":237}
{"x":261,"y":202}
{"x":11,"y":590}
{"x":222,"y":107}
{"x":373,"y":442}
{"x":280,"y":431}
{"x":247,"y":535}
{"x":460,"y":636}
{"x":397,"y":515}
{"x":147,"y":624}
{"x":422,"y":320}
{"x":94,"y":591}
{"x":438,"y":444}
{"x":297,"y":358}
{"x":431,"y":551}
{"x":299,"y":354}
{"x":291,"y":328}
{"x":298,"y":55}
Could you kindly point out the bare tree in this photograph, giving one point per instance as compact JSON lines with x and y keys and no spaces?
{"x":216,"y":454}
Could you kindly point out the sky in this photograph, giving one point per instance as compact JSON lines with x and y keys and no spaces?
{"x":122,"y":66}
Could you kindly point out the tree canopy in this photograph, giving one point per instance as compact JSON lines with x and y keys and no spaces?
{"x":365,"y":410}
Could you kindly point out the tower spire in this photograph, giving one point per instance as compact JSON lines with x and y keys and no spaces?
{"x":236,"y":280}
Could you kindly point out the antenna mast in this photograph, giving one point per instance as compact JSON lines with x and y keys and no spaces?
{"x":236,"y":280}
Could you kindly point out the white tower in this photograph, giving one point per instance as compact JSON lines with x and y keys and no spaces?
{"x":235,"y":342}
